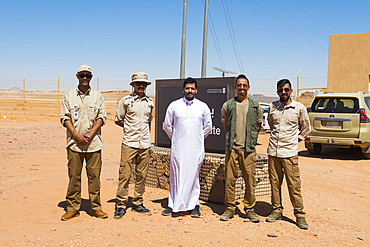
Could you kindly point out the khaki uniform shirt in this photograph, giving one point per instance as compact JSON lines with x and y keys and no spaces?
{"x":288,"y":123}
{"x":136,"y":114}
{"x":241,"y":120}
{"x":83,"y":110}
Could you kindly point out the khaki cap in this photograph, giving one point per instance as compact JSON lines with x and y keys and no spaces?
{"x":84,"y":68}
{"x":139,"y":77}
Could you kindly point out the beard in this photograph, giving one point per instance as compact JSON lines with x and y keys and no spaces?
{"x":189,"y":97}
{"x":284,"y":100}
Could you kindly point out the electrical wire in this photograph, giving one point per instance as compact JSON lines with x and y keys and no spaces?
{"x":311,"y":17}
{"x":299,"y":21}
{"x":268,"y":12}
{"x":232,"y":35}
{"x":215,"y":39}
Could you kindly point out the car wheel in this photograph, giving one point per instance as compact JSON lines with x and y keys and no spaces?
{"x":316,"y":149}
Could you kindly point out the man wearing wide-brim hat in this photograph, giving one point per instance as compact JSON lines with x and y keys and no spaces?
{"x":134,"y":114}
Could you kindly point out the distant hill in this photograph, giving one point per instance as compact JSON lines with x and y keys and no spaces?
{"x":16,"y":89}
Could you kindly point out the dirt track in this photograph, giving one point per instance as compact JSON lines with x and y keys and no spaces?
{"x":33,"y":182}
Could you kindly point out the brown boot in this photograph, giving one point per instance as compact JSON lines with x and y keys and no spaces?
{"x":69,"y":215}
{"x":99,"y":214}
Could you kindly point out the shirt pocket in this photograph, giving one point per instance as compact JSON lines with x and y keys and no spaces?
{"x":92,"y":113}
{"x":292,"y":118}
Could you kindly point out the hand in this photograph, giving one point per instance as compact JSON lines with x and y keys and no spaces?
{"x":88,"y":136}
{"x":81,"y":139}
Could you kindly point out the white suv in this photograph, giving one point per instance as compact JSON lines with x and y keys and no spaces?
{"x":340,"y":120}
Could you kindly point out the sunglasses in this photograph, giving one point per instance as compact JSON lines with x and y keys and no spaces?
{"x":280,"y":90}
{"x":242,"y":85}
{"x":88,"y":76}
{"x":141,"y":84}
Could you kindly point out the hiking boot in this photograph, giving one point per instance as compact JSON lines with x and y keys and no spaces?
{"x":195,"y":213}
{"x":141,"y":209}
{"x":227,"y":215}
{"x":119,"y":213}
{"x":167,"y":212}
{"x":252,"y":216}
{"x":274,"y":217}
{"x":70,"y":215}
{"x":302,"y":223}
{"x":99,"y":214}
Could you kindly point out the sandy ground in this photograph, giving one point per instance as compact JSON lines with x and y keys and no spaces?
{"x":33,"y":182}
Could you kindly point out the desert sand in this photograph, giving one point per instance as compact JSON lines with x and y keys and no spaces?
{"x":33,"y":183}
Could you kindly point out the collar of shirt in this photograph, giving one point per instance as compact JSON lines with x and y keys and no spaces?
{"x":291,"y":104}
{"x":188,"y":102}
{"x":86,"y":93}
{"x":136,"y":96}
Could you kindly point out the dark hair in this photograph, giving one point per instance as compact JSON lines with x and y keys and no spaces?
{"x":241,"y":76}
{"x":190,"y":80}
{"x":282,"y":83}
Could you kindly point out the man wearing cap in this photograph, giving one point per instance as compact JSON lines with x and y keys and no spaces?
{"x":83,"y":113}
{"x":134,"y":115}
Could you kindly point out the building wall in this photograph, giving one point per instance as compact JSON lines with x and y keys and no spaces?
{"x":349,"y":62}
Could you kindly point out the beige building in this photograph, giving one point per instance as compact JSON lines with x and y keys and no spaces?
{"x":349,"y":63}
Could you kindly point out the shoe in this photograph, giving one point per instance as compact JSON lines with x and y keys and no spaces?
{"x":167,"y":212}
{"x":274,"y":217}
{"x":195,"y":213}
{"x":99,"y":214}
{"x":70,"y":215}
{"x":227,"y":215}
{"x":141,"y":209}
{"x":119,"y":213}
{"x":302,"y":223}
{"x":252,"y":216}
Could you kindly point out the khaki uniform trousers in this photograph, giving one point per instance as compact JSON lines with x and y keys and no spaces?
{"x":128,"y":156}
{"x":240,"y":160}
{"x":93,"y":170}
{"x":288,"y":166}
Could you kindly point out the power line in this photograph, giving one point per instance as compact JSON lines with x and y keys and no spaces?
{"x":233,"y":39}
{"x":215,"y":40}
{"x":299,"y":21}
{"x":288,"y":25}
{"x":311,"y":17}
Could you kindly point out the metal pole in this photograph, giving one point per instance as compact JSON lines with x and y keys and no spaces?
{"x":58,"y":88}
{"x":97,"y":83}
{"x":205,"y":31}
{"x":183,"y":42}
{"x":297,"y":91}
{"x":24,"y":88}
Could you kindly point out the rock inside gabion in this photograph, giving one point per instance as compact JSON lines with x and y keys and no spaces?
{"x":211,"y":175}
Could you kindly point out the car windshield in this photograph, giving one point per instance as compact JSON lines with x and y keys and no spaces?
{"x":337,"y":105}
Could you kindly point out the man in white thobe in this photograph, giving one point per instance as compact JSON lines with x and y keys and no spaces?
{"x":187,"y":123}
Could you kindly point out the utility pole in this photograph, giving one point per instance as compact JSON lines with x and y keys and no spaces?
{"x":58,"y":88}
{"x":97,"y":83}
{"x":205,"y":31}
{"x":183,"y":42}
{"x":24,"y":88}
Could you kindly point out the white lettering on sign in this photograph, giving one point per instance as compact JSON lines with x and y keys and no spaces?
{"x":215,"y":131}
{"x":212,"y":112}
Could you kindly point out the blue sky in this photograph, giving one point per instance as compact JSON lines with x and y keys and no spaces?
{"x":117,"y":38}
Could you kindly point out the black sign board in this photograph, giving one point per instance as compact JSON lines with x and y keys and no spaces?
{"x":213,"y":91}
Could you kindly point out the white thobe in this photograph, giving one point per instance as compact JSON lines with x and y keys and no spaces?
{"x":187,"y":124}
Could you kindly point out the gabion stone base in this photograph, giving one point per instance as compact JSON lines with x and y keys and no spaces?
{"x":211,"y":176}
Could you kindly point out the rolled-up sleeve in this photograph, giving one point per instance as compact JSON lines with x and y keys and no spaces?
{"x":102,"y":114}
{"x":304,"y":122}
{"x":65,"y":114}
